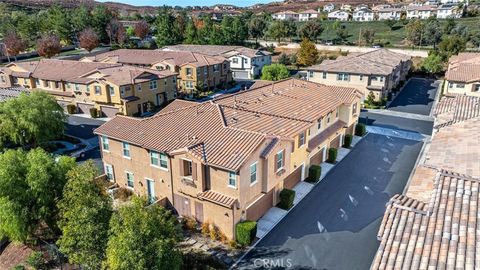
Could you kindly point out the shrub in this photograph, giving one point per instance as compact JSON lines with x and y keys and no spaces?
{"x":201,"y":260}
{"x":347,"y":142}
{"x":246,"y":232}
{"x":206,"y":228}
{"x":233,"y":244}
{"x":94,"y":112}
{"x":222,"y":237}
{"x":314,"y":173}
{"x":35,"y":260}
{"x":18,"y":267}
{"x":123,"y":194}
{"x":360,"y":129}
{"x":190,"y":224}
{"x":71,"y":109}
{"x":214,"y":232}
{"x":286,"y":198}
{"x":332,"y":155}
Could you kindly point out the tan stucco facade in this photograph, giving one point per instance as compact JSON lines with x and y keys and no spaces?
{"x":462,"y":88}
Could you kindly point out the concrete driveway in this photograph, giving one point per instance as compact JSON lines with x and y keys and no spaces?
{"x":335,"y":225}
{"x":417,"y":97}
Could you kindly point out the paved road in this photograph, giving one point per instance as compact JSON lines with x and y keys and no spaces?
{"x":335,"y":226}
{"x":82,"y":127}
{"x":417,"y":97}
{"x":394,"y":122}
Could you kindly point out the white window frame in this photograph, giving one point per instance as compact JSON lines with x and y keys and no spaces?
{"x":99,"y":90}
{"x":476,"y":88}
{"x":127,"y":173}
{"x":111,"y":90}
{"x":107,"y":166}
{"x":319,"y":124}
{"x":105,"y":142}
{"x":253,"y":174}
{"x":302,"y":138}
{"x":126,"y":149}
{"x":280,"y":160}
{"x":324,"y":75}
{"x":153,"y":85}
{"x":234,"y":179}
{"x":163,"y":156}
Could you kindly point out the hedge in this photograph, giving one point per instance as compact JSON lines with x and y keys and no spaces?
{"x":347,"y":142}
{"x":360,"y":129}
{"x":93,"y":112}
{"x":332,"y":155}
{"x":314,"y":173}
{"x":246,"y":232}
{"x":286,"y":198}
{"x":71,"y":109}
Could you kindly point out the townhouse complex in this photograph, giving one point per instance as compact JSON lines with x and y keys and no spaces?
{"x":378,"y":71}
{"x":194,"y":69}
{"x":245,"y":63}
{"x":226,"y":160}
{"x":463,"y":75}
{"x":110,"y":88}
{"x":434,"y":224}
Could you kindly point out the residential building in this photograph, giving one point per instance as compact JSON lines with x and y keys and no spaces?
{"x":285,"y":15}
{"x":363,"y":15}
{"x":339,"y":15}
{"x":329,"y":7}
{"x":245,"y":63}
{"x":420,"y":12}
{"x":346,"y":7}
{"x":194,"y":69}
{"x":111,"y":88}
{"x":463,"y":75}
{"x":226,"y":160}
{"x":377,"y":71}
{"x":431,"y":226}
{"x":11,"y":92}
{"x":447,"y":11}
{"x":390,"y":13}
{"x":307,"y":15}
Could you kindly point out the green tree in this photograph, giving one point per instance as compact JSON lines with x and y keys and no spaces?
{"x":80,"y":19}
{"x":433,"y":33}
{"x":31,"y":119}
{"x":165,"y":28}
{"x":228,"y":35}
{"x":85,"y":212}
{"x":240,"y":30}
{"x":311,"y":30}
{"x":191,"y":35}
{"x":143,"y":237}
{"x":30,"y":185}
{"x":277,"y":30}
{"x":308,"y":53}
{"x":449,"y":25}
{"x":56,"y":20}
{"x":275,"y":72}
{"x":100,"y":18}
{"x":368,"y":36}
{"x":291,"y":27}
{"x":451,"y":45}
{"x":341,"y":34}
{"x":433,"y":63}
{"x":414,"y":32}
{"x":256,"y":27}
{"x":390,"y":23}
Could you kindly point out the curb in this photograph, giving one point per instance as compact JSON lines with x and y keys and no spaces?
{"x":235,"y":265}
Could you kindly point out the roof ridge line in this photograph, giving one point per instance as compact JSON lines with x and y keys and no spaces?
{"x":268,"y":114}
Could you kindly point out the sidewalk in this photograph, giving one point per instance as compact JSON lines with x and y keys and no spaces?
{"x":274,"y":215}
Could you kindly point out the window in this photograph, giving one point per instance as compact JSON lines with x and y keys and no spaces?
{"x":126,"y":149}
{"x":460,"y":85}
{"x":188,"y":84}
{"x":215,"y":68}
{"x":130,"y":180}
{"x":450,"y":85}
{"x":55,"y":84}
{"x":163,"y":161}
{"x":188,"y":71}
{"x":336,"y":113}
{"x":37,"y":82}
{"x":87,"y":89}
{"x":105,"y":144}
{"x":354,"y":109}
{"x":111,"y":90}
{"x":381,"y":78}
{"x":235,"y":60}
{"x":311,"y":73}
{"x":109,"y":172}
{"x":324,"y":75}
{"x":374,"y":78}
{"x":476,"y":88}
{"x":174,"y":79}
{"x":98,"y":90}
{"x":319,"y":124}
{"x":343,"y":77}
{"x":139,"y":87}
{"x":328,"y":118}
{"x":279,"y":161}
{"x":155,"y":158}
{"x":153,"y":85}
{"x":2,"y":78}
{"x":225,"y":66}
{"x":253,"y":173}
{"x":232,"y":179}
{"x":45,"y":83}
{"x":301,"y":139}
{"x":77,"y":87}
{"x":361,"y":77}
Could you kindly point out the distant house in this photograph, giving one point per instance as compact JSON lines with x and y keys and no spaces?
{"x":329,"y":8}
{"x":463,"y":75}
{"x":307,"y":15}
{"x":449,"y":11}
{"x":286,"y":15}
{"x":390,"y":13}
{"x":339,"y":15}
{"x":363,"y":15}
{"x":421,"y":12}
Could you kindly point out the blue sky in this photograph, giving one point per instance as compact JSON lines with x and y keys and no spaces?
{"x":240,"y":3}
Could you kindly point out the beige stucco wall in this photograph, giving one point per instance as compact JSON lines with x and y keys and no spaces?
{"x":451,"y":87}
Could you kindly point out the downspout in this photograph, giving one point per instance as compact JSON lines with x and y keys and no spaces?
{"x":171,"y":182}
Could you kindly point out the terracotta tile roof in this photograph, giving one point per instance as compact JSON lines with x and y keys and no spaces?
{"x":325,"y":134}
{"x":221,"y":50}
{"x":439,"y":234}
{"x":65,"y":70}
{"x":122,"y":75}
{"x":150,"y":57}
{"x":377,"y":62}
{"x":217,"y":198}
{"x":464,"y":67}
{"x":456,"y":108}
{"x":11,"y":92}
{"x":28,"y":66}
{"x":178,"y":104}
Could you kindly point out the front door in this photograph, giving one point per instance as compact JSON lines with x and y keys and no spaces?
{"x":139,"y":109}
{"x":145,"y":107}
{"x":151,"y":191}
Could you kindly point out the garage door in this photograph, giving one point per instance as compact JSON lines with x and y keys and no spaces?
{"x":109,"y":112}
{"x":256,"y":210}
{"x":335,"y":143}
{"x":84,"y":107}
{"x":295,"y":177}
{"x":317,"y":159}
{"x":240,"y":74}
{"x":182,"y":205}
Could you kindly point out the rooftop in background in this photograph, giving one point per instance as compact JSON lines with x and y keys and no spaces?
{"x":377,"y":62}
{"x":213,"y":50}
{"x":225,"y":131}
{"x":464,"y":67}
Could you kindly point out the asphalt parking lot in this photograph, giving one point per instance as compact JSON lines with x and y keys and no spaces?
{"x":82,"y":127}
{"x":335,"y":225}
{"x":417,"y":97}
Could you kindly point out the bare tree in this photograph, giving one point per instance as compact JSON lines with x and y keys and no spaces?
{"x":48,"y":45}
{"x":121,"y":35}
{"x":14,"y":44}
{"x":88,"y":39}
{"x":112,"y":30}
{"x":141,"y":29}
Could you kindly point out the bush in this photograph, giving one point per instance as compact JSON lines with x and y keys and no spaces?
{"x":123,"y":194}
{"x":94,"y":112}
{"x":314,"y":173}
{"x":201,"y":260}
{"x":190,"y":224}
{"x":332,"y":155}
{"x":246,"y":232}
{"x":71,"y":109}
{"x":286,"y":198}
{"x":214,"y":232}
{"x":206,"y":228}
{"x":18,"y":267}
{"x":347,"y":142}
{"x":35,"y":260}
{"x":360,"y":129}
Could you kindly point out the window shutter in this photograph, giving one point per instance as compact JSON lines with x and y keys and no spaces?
{"x":182,"y":169}
{"x":194,"y":171}
{"x":283,"y":158}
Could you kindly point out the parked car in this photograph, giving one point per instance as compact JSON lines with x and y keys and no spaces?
{"x":329,"y":43}
{"x":377,"y":46}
